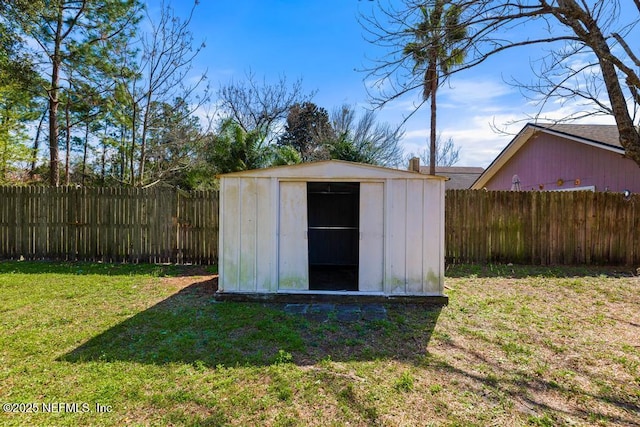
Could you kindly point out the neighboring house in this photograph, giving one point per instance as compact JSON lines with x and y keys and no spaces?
{"x":460,"y":177}
{"x":562,"y":157}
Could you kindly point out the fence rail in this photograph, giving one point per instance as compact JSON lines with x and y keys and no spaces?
{"x":542,"y":227}
{"x":109,"y":224}
{"x":164,"y":225}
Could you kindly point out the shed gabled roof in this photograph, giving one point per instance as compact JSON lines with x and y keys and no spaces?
{"x":601,"y":136}
{"x":330,"y":169}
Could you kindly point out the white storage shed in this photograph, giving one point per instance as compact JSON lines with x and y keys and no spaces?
{"x":331,"y":228}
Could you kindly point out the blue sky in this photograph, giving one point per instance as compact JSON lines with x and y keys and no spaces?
{"x":322,"y":42}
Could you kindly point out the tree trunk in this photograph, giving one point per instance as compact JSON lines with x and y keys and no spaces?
{"x":54,"y":171}
{"x":143,"y":139}
{"x":132,"y":169}
{"x":4,"y":142}
{"x":36,"y":146}
{"x":432,"y":137}
{"x":54,"y":162}
{"x":103,"y":159}
{"x":122,"y":150}
{"x":629,"y":136}
{"x":84,"y":154}
{"x":578,"y":19}
{"x":67,"y":140}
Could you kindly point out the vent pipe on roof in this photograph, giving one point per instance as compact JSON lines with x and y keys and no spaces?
{"x":414,"y":164}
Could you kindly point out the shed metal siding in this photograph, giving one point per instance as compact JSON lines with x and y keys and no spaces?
{"x":293,"y":255}
{"x":263,"y":230}
{"x":248,"y":215}
{"x":371,"y":256}
{"x":230,"y":236}
{"x":433,"y":231}
{"x":395,"y":253}
{"x":266,"y":220}
{"x":414,"y":236}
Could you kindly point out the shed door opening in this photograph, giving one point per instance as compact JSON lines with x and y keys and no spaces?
{"x":333,"y":218}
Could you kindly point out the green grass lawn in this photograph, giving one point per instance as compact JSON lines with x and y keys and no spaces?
{"x":516,"y":346}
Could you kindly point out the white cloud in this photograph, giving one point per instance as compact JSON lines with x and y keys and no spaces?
{"x":469,"y":112}
{"x":474,"y":91}
{"x":417,"y":134}
{"x":479,"y":143}
{"x":482,"y":114}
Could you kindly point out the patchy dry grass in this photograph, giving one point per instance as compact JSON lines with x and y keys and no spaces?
{"x":517,"y":345}
{"x":550,"y":347}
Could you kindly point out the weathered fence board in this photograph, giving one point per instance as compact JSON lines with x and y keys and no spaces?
{"x":163,"y":225}
{"x":542,"y":227}
{"x":109,"y":224}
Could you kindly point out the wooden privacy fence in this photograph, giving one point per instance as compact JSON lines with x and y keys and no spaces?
{"x":109,"y":224}
{"x":542,"y":227}
{"x":165,"y":225}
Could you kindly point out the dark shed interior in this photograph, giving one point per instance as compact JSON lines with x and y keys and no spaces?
{"x":333,"y":234}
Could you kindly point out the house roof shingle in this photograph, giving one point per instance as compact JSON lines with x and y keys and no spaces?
{"x":460,"y":177}
{"x":604,"y":134}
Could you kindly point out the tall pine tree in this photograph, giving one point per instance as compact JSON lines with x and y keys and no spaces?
{"x":66,"y":30}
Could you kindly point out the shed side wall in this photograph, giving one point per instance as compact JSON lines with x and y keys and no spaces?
{"x":371,"y":254}
{"x":248,"y":215}
{"x":266,"y":245}
{"x":433,"y":239}
{"x":247,"y":235}
{"x":415,"y":235}
{"x":414,"y":245}
{"x":229,"y":234}
{"x":293,"y":256}
{"x":395,"y":280}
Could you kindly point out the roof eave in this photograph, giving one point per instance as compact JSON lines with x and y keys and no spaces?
{"x":390,"y":172}
{"x":523,"y":136}
{"x":583,"y":140}
{"x":516,"y":143}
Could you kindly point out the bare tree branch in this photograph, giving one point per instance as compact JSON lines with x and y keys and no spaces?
{"x":264,"y":106}
{"x":573,"y":30}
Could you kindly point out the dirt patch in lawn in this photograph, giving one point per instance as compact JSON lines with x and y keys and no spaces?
{"x":198,"y":279}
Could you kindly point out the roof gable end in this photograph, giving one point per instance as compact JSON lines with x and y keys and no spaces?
{"x":600,"y":136}
{"x":330,"y":169}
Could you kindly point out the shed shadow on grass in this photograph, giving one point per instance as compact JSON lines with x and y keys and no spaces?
{"x":531,"y":394}
{"x":191,"y":327}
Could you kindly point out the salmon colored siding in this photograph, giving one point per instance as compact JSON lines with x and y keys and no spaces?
{"x":546,"y":159}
